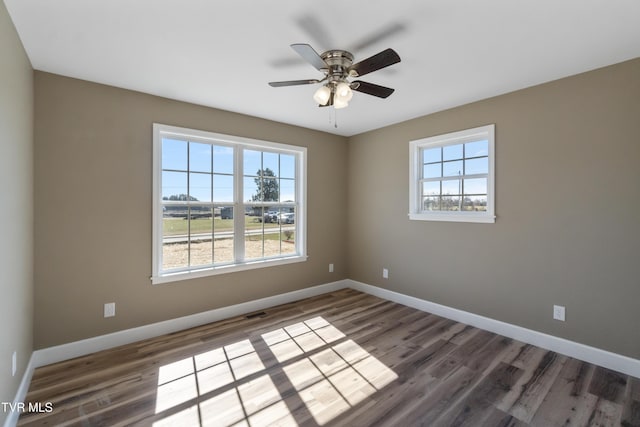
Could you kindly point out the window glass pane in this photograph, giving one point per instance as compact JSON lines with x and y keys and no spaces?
{"x":452,"y":152}
{"x":223,"y":236}
{"x":287,"y":232}
{"x":268,"y":216}
{"x":475,"y":203}
{"x":475,"y":166}
{"x":270,"y":189}
{"x":271,"y":161}
{"x":273,"y":233}
{"x":174,"y":154}
{"x":252,"y":162}
{"x":251,"y":189}
{"x":254,"y":235}
{"x":452,"y":186}
{"x":287,"y":216}
{"x":175,"y":255}
{"x":287,"y":190}
{"x":200,"y":187}
{"x":253,"y":245}
{"x":224,"y":212}
{"x":174,"y":220}
{"x":199,"y":157}
{"x":200,"y":237}
{"x":431,"y":155}
{"x":174,"y":186}
{"x":287,"y":166}
{"x":475,"y":186}
{"x":175,"y":229}
{"x":222,"y":159}
{"x":432,"y":171}
{"x":452,"y":168}
{"x":222,"y":188}
{"x":172,"y":212}
{"x":431,"y":188}
{"x":451,"y":203}
{"x":271,"y":219}
{"x":431,"y":203}
{"x":476,"y":149}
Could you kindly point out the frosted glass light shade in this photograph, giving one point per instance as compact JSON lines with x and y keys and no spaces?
{"x":322,"y":95}
{"x":339,"y":103}
{"x":344,"y":92}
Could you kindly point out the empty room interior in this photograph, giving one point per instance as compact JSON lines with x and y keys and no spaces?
{"x":439,"y":225}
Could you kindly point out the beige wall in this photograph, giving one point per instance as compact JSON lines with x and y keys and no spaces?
{"x":93,"y":211}
{"x":567,"y":205}
{"x":16,"y":208}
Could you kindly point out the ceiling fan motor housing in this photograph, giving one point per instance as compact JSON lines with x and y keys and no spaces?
{"x":338,"y":62}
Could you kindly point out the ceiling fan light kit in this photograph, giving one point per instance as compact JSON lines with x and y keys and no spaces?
{"x":322,"y":95}
{"x":338,"y":68}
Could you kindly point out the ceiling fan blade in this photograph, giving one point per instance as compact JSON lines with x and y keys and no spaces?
{"x":294,"y":83}
{"x":377,"y":36}
{"x":371,"y":89}
{"x":309,"y":55}
{"x":373,"y":63}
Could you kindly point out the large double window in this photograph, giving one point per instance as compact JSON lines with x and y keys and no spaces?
{"x":224,"y":203}
{"x":452,"y":176}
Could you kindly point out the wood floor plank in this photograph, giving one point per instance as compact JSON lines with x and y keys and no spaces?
{"x":497,"y":418}
{"x":533,"y":392}
{"x":608,"y":385}
{"x":568,"y":398}
{"x":606,"y":413}
{"x":342,"y":358}
{"x":443,"y":396}
{"x":630,"y":414}
{"x":480,"y":400}
{"x":631,"y":409}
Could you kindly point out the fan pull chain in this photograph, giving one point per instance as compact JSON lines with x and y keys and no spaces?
{"x":333,"y":117}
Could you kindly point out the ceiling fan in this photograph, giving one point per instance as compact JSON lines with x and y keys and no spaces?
{"x":338,"y":69}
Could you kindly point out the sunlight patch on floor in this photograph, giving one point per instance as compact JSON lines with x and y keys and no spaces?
{"x":231,"y":385}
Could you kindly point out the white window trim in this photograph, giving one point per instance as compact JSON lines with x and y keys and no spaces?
{"x":468,"y":135}
{"x":160,"y":130}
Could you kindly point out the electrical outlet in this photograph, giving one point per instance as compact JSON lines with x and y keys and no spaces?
{"x":330,"y":268}
{"x":385,"y":273}
{"x":14,"y":363}
{"x":110,"y":309}
{"x":559,"y":312}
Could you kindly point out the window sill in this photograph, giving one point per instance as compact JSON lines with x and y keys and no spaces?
{"x":453,"y":217}
{"x":224,"y":269}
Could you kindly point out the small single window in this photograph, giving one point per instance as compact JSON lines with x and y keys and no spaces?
{"x":452,"y":176}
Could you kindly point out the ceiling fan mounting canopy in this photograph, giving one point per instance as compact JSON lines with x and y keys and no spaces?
{"x":337,"y":66}
{"x":337,"y":57}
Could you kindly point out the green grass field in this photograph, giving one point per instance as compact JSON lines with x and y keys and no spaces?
{"x":179,"y":226}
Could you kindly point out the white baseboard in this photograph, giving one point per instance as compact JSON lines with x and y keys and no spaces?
{"x":606,"y":359}
{"x":23,"y":388}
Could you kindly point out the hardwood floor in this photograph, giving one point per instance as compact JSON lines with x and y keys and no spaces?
{"x":343,"y":358}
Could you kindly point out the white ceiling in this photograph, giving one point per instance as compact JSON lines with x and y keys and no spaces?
{"x":223,"y":53}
